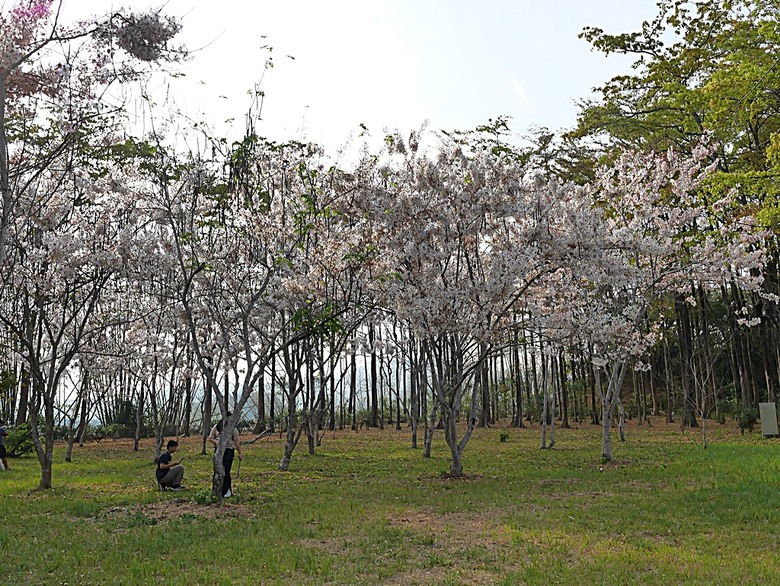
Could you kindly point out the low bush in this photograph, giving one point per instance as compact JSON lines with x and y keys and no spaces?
{"x":19,"y":440}
{"x":746,"y":419}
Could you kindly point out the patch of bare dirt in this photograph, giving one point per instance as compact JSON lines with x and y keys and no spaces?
{"x":165,"y":511}
{"x":420,"y":577}
{"x":463,"y":477}
{"x":454,"y":531}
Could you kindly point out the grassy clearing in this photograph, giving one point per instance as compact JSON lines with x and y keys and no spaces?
{"x":369,"y":510}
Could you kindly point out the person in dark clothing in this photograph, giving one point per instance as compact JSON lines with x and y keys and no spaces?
{"x":169,"y":473}
{"x":3,"y":452}
{"x":233,"y":445}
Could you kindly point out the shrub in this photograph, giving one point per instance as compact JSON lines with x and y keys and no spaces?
{"x":203,"y":496}
{"x":746,"y":419}
{"x":503,"y":435}
{"x":19,"y":441}
{"x":61,"y":432}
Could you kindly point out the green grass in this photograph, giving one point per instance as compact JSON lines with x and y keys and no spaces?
{"x":367,"y":509}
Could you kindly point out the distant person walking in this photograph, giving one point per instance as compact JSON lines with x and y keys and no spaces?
{"x":169,"y":473}
{"x":3,"y":453}
{"x":233,"y":445}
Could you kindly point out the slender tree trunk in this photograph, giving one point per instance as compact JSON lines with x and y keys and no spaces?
{"x":139,"y":419}
{"x":518,"y":420}
{"x":5,"y":186}
{"x":260,"y":423}
{"x":414,"y":391}
{"x":534,"y":378}
{"x":429,"y":427}
{"x":333,"y":363}
{"x":484,"y":374}
{"x":554,"y":401}
{"x":293,"y":434}
{"x":594,"y":382}
{"x":686,"y":361}
{"x":187,"y":408}
{"x":272,"y":397}
{"x":526,"y":372}
{"x":564,"y":393}
{"x":766,"y":355}
{"x":609,"y":399}
{"x":206,"y":427}
{"x":353,"y":389}
{"x":545,"y":394}
{"x":373,"y":399}
{"x":24,"y":393}
{"x":397,"y":393}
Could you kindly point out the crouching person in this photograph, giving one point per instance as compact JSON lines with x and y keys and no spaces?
{"x":169,"y":473}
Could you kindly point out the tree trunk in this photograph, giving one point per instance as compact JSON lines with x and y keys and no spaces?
{"x":44,"y":447}
{"x":272,"y":398}
{"x":373,"y":399}
{"x":609,"y":400}
{"x":206,"y":427}
{"x":429,"y":427}
{"x":353,"y":389}
{"x":451,"y":437}
{"x":414,"y":392}
{"x":545,"y":417}
{"x":24,"y":393}
{"x":686,"y":361}
{"x":594,"y":414}
{"x":564,"y":392}
{"x":292,"y":436}
{"x":518,"y":419}
{"x":554,"y":401}
{"x":606,"y":424}
{"x":139,"y":420}
{"x":260,"y":421}
{"x":484,"y":375}
{"x":534,"y":380}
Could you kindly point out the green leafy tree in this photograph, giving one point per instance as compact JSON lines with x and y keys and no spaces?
{"x":707,"y":68}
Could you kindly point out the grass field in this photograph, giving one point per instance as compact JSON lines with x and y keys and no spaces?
{"x":367,"y":509}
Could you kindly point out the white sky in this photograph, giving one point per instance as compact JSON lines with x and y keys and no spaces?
{"x":392,"y":63}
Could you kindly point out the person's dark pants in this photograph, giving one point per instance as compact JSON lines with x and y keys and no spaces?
{"x":227,"y":462}
{"x":173,"y":476}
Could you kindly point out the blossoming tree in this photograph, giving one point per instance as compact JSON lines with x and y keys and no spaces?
{"x":647,"y":231}
{"x":462,"y":237}
{"x":61,"y":210}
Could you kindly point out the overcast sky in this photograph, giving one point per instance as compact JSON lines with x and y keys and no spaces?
{"x":390,"y":63}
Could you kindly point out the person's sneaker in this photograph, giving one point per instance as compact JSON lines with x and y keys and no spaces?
{"x":177,"y":487}
{"x":228,"y":494}
{"x":161,"y":487}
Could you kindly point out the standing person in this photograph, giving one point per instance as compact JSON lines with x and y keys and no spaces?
{"x":3,"y":454}
{"x":233,"y":445}
{"x":169,"y":473}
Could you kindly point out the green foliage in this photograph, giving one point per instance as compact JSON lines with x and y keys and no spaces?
{"x":203,"y":496}
{"x":536,"y":408}
{"x":503,"y":435}
{"x":19,"y":441}
{"x":60,"y":432}
{"x":7,"y":381}
{"x":717,"y":79}
{"x":124,"y":413}
{"x":747,"y":419}
{"x":112,"y":431}
{"x":319,"y":320}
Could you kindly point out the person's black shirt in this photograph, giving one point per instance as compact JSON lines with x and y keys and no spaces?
{"x":165,"y":458}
